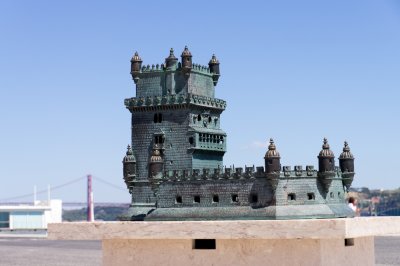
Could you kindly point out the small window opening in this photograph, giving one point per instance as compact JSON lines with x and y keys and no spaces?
{"x":270,"y":161}
{"x":215,"y":199}
{"x":253,"y":198}
{"x":292,"y":196}
{"x":339,"y":195}
{"x":332,"y":195}
{"x":199,"y":118}
{"x":158,"y":140}
{"x":178,"y":199}
{"x":209,"y":119}
{"x":191,"y":140}
{"x":196,"y":199}
{"x":349,"y":242}
{"x":204,"y":244}
{"x":311,"y":196}
{"x":158,"y":118}
{"x":235,"y":198}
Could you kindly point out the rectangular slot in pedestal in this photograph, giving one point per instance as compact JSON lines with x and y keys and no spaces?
{"x":349,"y":242}
{"x":204,"y":244}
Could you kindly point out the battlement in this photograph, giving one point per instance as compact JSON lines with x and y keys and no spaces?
{"x":210,"y":174}
{"x":242,"y":173}
{"x":174,"y":100}
{"x":201,"y":69}
{"x":299,"y":171}
{"x":160,"y":68}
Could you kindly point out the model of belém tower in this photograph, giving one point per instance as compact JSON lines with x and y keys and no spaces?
{"x":174,"y":165}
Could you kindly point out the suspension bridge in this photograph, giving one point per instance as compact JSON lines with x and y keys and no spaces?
{"x":24,"y":199}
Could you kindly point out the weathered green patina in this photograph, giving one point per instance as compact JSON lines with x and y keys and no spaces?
{"x":174,"y":169}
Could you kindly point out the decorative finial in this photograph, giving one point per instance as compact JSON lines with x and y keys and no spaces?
{"x":326,"y":152}
{"x":272,"y":152}
{"x":346,"y":146}
{"x":136,"y":58}
{"x":346,"y":154}
{"x":129,"y":150}
{"x":214,"y":60}
{"x":271,"y":144}
{"x":129,"y":155}
{"x":171,"y":54}
{"x":325,"y":146}
{"x":186,"y":52}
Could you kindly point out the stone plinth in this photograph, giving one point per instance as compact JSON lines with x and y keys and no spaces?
{"x":279,"y":242}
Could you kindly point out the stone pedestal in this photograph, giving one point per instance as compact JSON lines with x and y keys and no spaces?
{"x":284,"y":242}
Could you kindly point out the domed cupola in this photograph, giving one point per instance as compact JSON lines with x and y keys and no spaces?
{"x":136,"y":65}
{"x":326,"y":158}
{"x":156,"y":163}
{"x":171,"y":60}
{"x":130,"y":157}
{"x":346,"y":159}
{"x":214,"y":69}
{"x":186,"y":61}
{"x":272,"y":158}
{"x":129,"y":166}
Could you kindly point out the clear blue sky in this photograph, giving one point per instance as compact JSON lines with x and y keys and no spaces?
{"x":297,"y":71}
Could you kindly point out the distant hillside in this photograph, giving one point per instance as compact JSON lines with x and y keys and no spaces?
{"x":103,"y":213}
{"x":377,"y":202}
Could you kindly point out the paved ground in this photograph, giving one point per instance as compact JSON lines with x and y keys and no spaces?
{"x":387,"y":250}
{"x":40,"y":251}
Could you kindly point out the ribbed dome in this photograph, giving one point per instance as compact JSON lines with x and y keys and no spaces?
{"x":346,"y":154}
{"x":156,"y":156}
{"x":186,"y":52}
{"x":272,"y":152}
{"x":136,"y":58}
{"x":129,"y":155}
{"x":326,"y":152}
{"x":171,"y":55}
{"x":213,"y":60}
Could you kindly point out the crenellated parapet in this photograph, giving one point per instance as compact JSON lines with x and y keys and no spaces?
{"x":173,"y":101}
{"x":160,"y":68}
{"x":246,"y":172}
{"x":299,"y":172}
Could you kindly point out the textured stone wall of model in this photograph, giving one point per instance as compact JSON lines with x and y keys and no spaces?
{"x":174,"y":165}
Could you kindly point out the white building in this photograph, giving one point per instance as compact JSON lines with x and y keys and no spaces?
{"x":35,"y":216}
